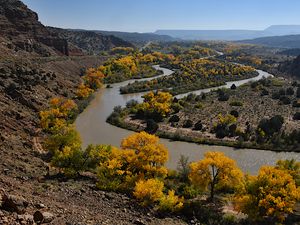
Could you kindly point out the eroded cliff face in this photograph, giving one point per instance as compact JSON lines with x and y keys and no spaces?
{"x":22,"y":32}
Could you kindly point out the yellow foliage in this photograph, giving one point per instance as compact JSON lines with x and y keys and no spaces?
{"x":170,"y":202}
{"x":158,"y":103}
{"x":144,"y":154}
{"x":272,"y":193}
{"x":227,"y":119}
{"x":84,"y":91}
{"x":149,"y":191}
{"x":215,"y":171}
{"x":93,"y":78}
{"x":56,"y":117}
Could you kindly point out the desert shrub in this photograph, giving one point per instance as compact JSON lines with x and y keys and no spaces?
{"x":275,"y":95}
{"x":233,"y":87}
{"x":264,"y":92}
{"x":298,"y":92}
{"x":152,"y":126}
{"x":170,"y":202}
{"x":234,"y":113}
{"x":198,"y":125}
{"x":176,"y":107}
{"x":131,"y":103}
{"x":191,"y":97}
{"x":236,"y":103}
{"x":223,"y":98}
{"x":174,"y":119}
{"x":271,"y":126}
{"x":296,"y":104}
{"x":187,"y":124}
{"x":296,"y":116}
{"x":149,"y":191}
{"x":290,"y":91}
{"x":285,"y":100}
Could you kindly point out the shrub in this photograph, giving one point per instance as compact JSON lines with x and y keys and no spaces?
{"x":223,"y":98}
{"x":271,"y":126}
{"x":264,"y":92}
{"x":152,"y":126}
{"x":296,"y":104}
{"x":298,"y":92}
{"x":198,"y":125}
{"x":234,"y":113}
{"x":296,"y":116}
{"x":176,"y":107}
{"x":236,"y":103}
{"x":290,"y":91}
{"x":285,"y":100}
{"x":131,"y":103}
{"x":174,"y":119}
{"x":271,"y":194}
{"x":233,"y":87}
{"x":187,"y":124}
{"x":170,"y":202}
{"x":190,"y":97}
{"x":149,"y":191}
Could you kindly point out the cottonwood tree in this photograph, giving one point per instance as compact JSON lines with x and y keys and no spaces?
{"x":271,"y":194}
{"x":215,"y":171}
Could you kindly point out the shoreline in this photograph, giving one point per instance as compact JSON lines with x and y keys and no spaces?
{"x":139,"y":125}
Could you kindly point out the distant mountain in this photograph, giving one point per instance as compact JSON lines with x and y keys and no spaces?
{"x":139,"y":38}
{"x":277,"y":30}
{"x":231,"y":35}
{"x":287,"y":41}
{"x":88,"y":41}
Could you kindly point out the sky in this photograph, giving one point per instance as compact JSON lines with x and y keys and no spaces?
{"x":151,"y":15}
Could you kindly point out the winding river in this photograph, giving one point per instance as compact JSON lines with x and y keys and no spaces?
{"x":92,"y":126}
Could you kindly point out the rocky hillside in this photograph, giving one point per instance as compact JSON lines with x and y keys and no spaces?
{"x":28,"y":79}
{"x":21,"y":33}
{"x":90,"y":42}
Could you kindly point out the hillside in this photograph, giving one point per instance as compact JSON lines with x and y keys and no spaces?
{"x":90,"y":42}
{"x":28,"y":79}
{"x":139,"y":38}
{"x":23,"y":34}
{"x":287,"y":41}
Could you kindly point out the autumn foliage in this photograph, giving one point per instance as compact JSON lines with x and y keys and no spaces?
{"x":59,"y":113}
{"x":215,"y":171}
{"x":156,"y":105}
{"x":272,"y":194}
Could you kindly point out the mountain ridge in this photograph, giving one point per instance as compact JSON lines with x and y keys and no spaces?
{"x":230,"y":34}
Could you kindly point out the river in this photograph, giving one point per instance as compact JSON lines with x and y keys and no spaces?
{"x":92,"y":126}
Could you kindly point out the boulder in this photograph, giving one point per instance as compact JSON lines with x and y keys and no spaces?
{"x":42,"y":217}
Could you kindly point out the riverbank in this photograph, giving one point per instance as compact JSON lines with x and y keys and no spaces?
{"x":186,"y":135}
{"x":202,"y":118}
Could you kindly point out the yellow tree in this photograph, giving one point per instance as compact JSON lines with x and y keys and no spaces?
{"x":272,"y":194}
{"x":144,"y":154}
{"x":292,"y":167}
{"x":156,"y":105}
{"x":57,"y":115}
{"x":215,"y":171}
{"x":149,"y":191}
{"x":93,"y":78}
{"x":84,"y":91}
{"x":141,"y":156}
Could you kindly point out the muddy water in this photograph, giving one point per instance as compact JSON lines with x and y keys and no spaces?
{"x":94,"y":130}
